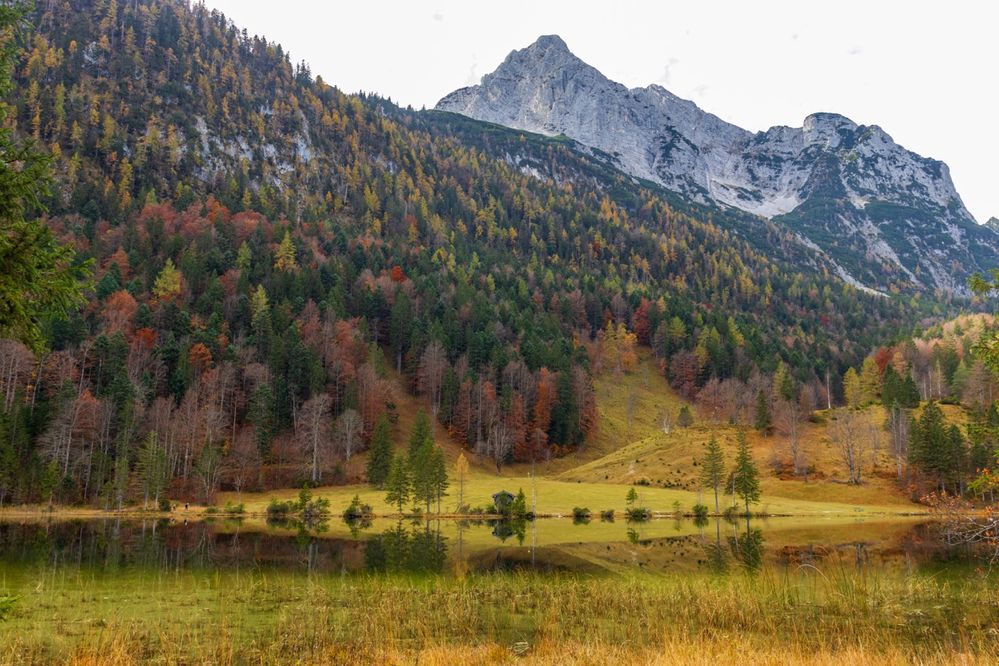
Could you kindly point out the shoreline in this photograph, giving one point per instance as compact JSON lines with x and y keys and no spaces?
{"x":204,"y":513}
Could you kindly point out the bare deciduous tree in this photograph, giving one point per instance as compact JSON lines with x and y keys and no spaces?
{"x":898,"y":429}
{"x":789,"y":416}
{"x":314,"y":432}
{"x":433,"y":365}
{"x":498,"y":444}
{"x":349,"y":428}
{"x":851,"y":434}
{"x":667,"y":420}
{"x":711,"y":400}
{"x":243,"y":461}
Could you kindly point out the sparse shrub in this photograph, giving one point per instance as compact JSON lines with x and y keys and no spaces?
{"x":278,"y":510}
{"x":165,"y":505}
{"x":581,"y":514}
{"x":312,"y":512}
{"x":607,"y":515}
{"x":700,"y":512}
{"x":637,"y":514}
{"x":358,"y":512}
{"x":685,"y":419}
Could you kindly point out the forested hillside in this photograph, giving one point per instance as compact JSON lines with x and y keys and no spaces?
{"x":268,"y":250}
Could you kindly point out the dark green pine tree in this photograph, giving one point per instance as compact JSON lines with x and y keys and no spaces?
{"x":713,"y":468}
{"x":565,"y":414}
{"x":909,"y":396}
{"x":438,"y":475}
{"x":380,"y":455}
{"x":891,"y":385}
{"x":899,"y":389}
{"x":421,"y":434}
{"x":421,"y":472}
{"x":745,"y":476}
{"x":957,"y":459}
{"x":400,"y":327}
{"x":929,"y":447}
{"x":110,"y":283}
{"x":763,"y":419}
{"x":397,"y":485}
{"x":261,"y":415}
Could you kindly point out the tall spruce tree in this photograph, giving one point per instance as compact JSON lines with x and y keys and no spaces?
{"x":380,"y":456}
{"x":397,"y":485}
{"x":763,"y":419}
{"x":438,"y":475}
{"x":421,"y":471}
{"x":713,"y":468}
{"x":745,"y":476}
{"x":421,"y":433}
{"x":931,"y":449}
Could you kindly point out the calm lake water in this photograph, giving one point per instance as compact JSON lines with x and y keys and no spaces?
{"x":112,"y":546}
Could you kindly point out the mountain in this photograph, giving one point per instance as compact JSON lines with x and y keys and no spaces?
{"x":272,"y":255}
{"x":885,"y":216}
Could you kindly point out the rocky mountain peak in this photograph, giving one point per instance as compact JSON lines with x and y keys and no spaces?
{"x":827,"y":129}
{"x":883,"y":215}
{"x":548,"y":43}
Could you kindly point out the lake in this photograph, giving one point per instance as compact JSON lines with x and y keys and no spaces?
{"x":113,"y":546}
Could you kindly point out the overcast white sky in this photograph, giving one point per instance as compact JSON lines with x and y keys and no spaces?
{"x":926,"y":72}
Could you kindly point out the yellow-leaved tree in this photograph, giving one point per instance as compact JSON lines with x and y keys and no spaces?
{"x":284,"y":258}
{"x":461,"y":471}
{"x":169,"y":283}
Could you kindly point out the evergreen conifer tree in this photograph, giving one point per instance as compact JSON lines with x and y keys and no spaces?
{"x":763,"y":419}
{"x":713,"y":468}
{"x":397,"y":485}
{"x":380,"y":457}
{"x":745,"y":476}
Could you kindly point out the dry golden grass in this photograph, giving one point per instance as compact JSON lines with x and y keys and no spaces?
{"x":672,"y":651}
{"x":500,"y":619}
{"x":631,"y":448}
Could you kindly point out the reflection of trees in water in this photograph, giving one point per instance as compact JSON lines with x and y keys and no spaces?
{"x":715,"y":554}
{"x":504,"y":529}
{"x":747,"y":548}
{"x":112,"y":545}
{"x":404,"y":549}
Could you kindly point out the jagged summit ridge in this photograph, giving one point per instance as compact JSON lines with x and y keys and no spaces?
{"x":887,"y":216}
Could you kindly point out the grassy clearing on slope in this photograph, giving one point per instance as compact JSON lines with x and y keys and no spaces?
{"x":629,"y":408}
{"x":670,"y":461}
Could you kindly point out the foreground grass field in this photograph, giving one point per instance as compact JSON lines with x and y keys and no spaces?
{"x":230,"y":618}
